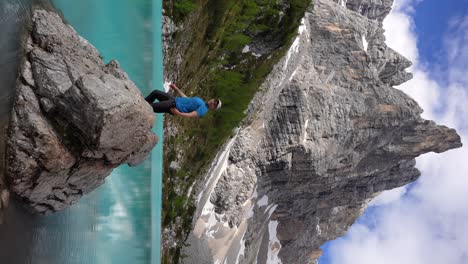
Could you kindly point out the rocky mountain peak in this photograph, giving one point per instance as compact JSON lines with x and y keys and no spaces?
{"x":327,"y":134}
{"x":372,"y":9}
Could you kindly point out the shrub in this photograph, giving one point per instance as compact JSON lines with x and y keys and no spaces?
{"x":182,"y":8}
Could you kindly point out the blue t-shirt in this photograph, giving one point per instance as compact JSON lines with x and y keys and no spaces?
{"x":190,"y":104}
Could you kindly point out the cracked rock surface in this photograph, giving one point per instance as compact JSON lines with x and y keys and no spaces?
{"x":326,"y":134}
{"x":74,"y":119}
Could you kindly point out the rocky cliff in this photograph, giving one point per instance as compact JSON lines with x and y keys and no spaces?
{"x":74,"y":119}
{"x":327,"y":133}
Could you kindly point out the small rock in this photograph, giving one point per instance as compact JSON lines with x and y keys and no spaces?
{"x":174,"y":165}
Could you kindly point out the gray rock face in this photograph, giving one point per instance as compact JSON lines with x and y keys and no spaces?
{"x":327,"y":134}
{"x":169,"y":28}
{"x":372,"y":9}
{"x":74,"y":119}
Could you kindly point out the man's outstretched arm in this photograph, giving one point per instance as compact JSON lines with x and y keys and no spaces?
{"x":178,"y":113}
{"x":175,"y":88}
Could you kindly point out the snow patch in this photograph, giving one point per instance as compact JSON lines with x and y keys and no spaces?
{"x":319,"y":231}
{"x":218,"y":166}
{"x":190,"y":190}
{"x":208,"y":213}
{"x":246,"y":49}
{"x":250,"y":214}
{"x":263,"y":201}
{"x":295,"y":46}
{"x":305,"y":131}
{"x":270,"y":209}
{"x":212,"y":232}
{"x":292,"y":75}
{"x":274,"y":245}
{"x":256,"y":55}
{"x":343,"y":3}
{"x":294,"y":49}
{"x":302,"y":28}
{"x":208,"y":210}
{"x":199,"y":197}
{"x":241,"y":250}
{"x":364,"y":43}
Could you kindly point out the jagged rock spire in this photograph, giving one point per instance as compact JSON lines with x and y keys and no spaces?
{"x":327,"y":134}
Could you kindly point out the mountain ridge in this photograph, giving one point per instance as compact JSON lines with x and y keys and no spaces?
{"x":327,"y":134}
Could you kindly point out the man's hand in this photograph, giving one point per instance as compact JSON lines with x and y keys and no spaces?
{"x":175,"y":111}
{"x":175,"y":88}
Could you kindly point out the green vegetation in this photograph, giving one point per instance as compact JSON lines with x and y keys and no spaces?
{"x":214,"y":66}
{"x":182,"y":8}
{"x":178,"y":10}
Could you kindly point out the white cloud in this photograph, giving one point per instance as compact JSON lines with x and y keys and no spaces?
{"x":401,"y":26}
{"x":388,"y":197}
{"x":428,"y":223}
{"x":424,"y":90}
{"x":457,"y":49}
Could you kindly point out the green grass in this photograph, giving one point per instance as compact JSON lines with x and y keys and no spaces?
{"x":216,"y":67}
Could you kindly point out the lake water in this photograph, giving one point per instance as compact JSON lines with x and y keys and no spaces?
{"x":120,"y":221}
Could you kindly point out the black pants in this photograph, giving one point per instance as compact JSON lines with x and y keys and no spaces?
{"x":166,"y":101}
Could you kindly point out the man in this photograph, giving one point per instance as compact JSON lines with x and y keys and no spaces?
{"x":181,"y":106}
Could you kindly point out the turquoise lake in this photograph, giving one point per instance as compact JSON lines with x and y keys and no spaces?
{"x":120,"y":221}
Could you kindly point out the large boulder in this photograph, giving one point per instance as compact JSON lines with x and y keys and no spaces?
{"x":74,"y":119}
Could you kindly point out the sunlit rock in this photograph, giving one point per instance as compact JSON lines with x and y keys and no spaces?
{"x":74,"y":119}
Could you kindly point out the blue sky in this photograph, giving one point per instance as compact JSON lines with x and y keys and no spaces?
{"x":431,"y":20}
{"x":428,"y":221}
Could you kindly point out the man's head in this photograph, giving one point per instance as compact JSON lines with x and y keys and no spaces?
{"x":214,"y":104}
